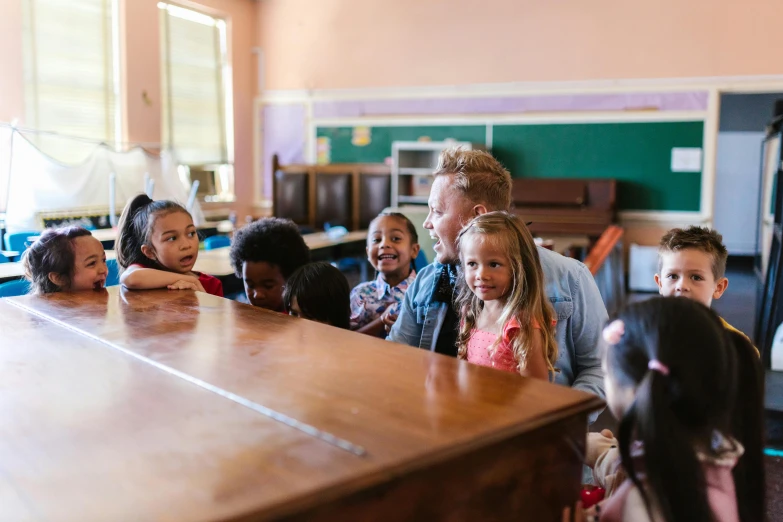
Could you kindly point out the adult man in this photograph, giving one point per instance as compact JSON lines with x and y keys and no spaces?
{"x":468,"y":183}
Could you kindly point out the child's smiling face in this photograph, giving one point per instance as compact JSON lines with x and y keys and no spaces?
{"x":89,"y":264}
{"x":486,"y":266}
{"x":390,"y":248}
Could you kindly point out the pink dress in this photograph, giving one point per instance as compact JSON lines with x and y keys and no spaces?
{"x":502,"y":358}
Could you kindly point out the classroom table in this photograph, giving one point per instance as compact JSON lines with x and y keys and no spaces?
{"x":110,"y":234}
{"x":10,"y":271}
{"x":101,"y":234}
{"x":179,"y":405}
{"x":217,"y":263}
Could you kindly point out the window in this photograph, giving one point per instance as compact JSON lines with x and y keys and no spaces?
{"x":197,"y":109}
{"x":71,"y":73}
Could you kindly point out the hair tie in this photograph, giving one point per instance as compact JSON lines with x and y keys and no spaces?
{"x":657,"y":366}
{"x":614,"y":331}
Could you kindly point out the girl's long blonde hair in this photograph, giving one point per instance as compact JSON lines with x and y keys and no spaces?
{"x":526,"y":299}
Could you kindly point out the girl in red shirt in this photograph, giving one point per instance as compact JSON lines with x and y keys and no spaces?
{"x":157,"y":247}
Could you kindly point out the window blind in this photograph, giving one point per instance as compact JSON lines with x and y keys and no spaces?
{"x":71,"y":78}
{"x":195,"y":83}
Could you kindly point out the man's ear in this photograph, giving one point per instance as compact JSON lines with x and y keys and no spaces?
{"x":478,"y":210}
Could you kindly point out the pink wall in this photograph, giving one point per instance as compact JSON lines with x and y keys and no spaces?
{"x":142,"y":73}
{"x":347,"y":44}
{"x":11,"y":79}
{"x":141,"y":70}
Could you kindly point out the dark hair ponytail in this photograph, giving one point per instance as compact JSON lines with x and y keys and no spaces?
{"x":135,"y":227}
{"x":675,"y":413}
{"x":675,"y":475}
{"x":747,"y":424}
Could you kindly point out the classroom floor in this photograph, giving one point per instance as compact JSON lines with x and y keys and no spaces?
{"x":774,"y":489}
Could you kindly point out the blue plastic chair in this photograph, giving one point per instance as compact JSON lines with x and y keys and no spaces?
{"x":17,"y":241}
{"x":113,"y":277}
{"x":213,"y":242}
{"x":420,"y":261}
{"x":14,"y":288}
{"x":4,"y":259}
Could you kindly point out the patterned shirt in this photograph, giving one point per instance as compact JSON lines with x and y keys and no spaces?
{"x":369,"y":300}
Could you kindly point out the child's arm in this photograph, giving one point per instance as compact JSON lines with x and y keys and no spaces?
{"x":138,"y":278}
{"x":536,"y":362}
{"x":360,"y":318}
{"x":389,"y":317}
{"x":374,"y":327}
{"x":603,"y":456}
{"x":380,"y":325}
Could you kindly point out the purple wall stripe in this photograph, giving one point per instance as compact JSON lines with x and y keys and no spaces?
{"x":665,"y":101}
{"x":284,"y":135}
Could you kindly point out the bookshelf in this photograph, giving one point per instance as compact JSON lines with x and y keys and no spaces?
{"x":413,"y":163}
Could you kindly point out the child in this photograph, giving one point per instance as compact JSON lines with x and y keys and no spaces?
{"x":692,"y":264}
{"x":319,"y":292}
{"x":65,"y":259}
{"x":264,"y":254}
{"x":157,"y":247}
{"x":392,"y":246}
{"x":507,"y":321}
{"x":690,"y":398}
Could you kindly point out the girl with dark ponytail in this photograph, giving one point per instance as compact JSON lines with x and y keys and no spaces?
{"x":689,"y":395}
{"x":157,"y":247}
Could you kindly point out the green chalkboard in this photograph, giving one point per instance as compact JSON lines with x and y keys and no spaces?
{"x":381,"y":138}
{"x":638,"y":155}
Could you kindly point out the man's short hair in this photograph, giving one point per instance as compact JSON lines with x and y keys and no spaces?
{"x":478,"y":175}
{"x":698,"y":238}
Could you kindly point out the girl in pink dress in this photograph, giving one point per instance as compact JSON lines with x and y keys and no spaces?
{"x":507,"y":322}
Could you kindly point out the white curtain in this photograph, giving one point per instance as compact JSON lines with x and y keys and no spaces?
{"x":39,"y":184}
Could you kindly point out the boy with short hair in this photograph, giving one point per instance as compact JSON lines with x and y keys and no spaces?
{"x":692,"y":264}
{"x":264,"y":254}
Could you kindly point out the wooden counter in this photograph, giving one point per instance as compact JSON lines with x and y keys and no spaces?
{"x":165,"y":405}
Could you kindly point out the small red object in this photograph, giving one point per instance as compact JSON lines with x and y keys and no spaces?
{"x":592,"y":495}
